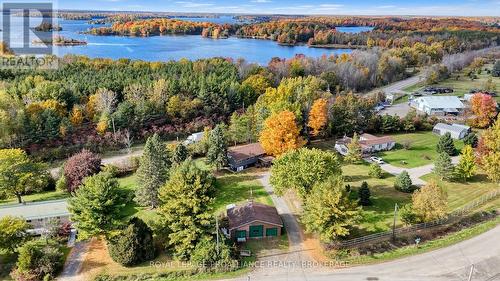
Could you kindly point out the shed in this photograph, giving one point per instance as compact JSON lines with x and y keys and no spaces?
{"x":194,"y":138}
{"x":457,"y":131}
{"x":244,"y":156}
{"x":253,"y":220}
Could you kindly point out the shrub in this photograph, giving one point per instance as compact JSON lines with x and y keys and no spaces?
{"x":403,"y":182}
{"x":364,"y":194}
{"x":205,"y":253}
{"x":61,"y":183}
{"x":407,"y":214}
{"x":38,"y":259}
{"x":375,"y":171}
{"x":79,"y":166}
{"x":133,"y":245}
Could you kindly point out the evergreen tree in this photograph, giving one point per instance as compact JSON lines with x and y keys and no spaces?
{"x":185,"y":207}
{"x":471,"y":139}
{"x":403,"y":182}
{"x":179,"y":154}
{"x":364,"y":194}
{"x":354,"y":152}
{"x":443,"y":167}
{"x":152,"y":172}
{"x":217,"y":147}
{"x":446,"y":144}
{"x":467,"y":165}
{"x":329,"y":211}
{"x":133,"y":245}
{"x":97,"y":206}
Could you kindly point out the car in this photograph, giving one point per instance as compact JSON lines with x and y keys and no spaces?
{"x":377,"y":160}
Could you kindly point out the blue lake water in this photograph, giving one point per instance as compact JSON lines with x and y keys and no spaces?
{"x":168,"y":47}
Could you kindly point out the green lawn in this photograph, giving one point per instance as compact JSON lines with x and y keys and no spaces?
{"x":422,"y":150}
{"x":43,"y":196}
{"x":463,"y":193}
{"x":379,"y":216}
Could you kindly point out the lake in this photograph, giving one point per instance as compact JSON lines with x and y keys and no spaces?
{"x":175,"y":47}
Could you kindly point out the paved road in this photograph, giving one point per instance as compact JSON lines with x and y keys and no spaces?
{"x":400,"y":109}
{"x":117,"y":159}
{"x":415,"y":173}
{"x":452,"y":263}
{"x":71,"y":271}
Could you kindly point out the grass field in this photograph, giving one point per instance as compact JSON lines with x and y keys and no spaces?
{"x":463,"y":193}
{"x":461,"y":83}
{"x":43,"y":196}
{"x":422,"y":150}
{"x":379,"y":216}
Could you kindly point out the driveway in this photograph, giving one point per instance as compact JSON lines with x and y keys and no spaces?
{"x":415,"y":173}
{"x":71,"y":271}
{"x":400,"y":109}
{"x":448,"y":264}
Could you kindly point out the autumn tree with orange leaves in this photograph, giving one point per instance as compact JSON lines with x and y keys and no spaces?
{"x":484,"y":108}
{"x":280,"y":134}
{"x":318,"y":116}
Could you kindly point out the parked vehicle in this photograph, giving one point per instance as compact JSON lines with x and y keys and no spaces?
{"x":377,"y":160}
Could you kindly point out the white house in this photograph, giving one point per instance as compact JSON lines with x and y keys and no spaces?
{"x":438,"y":105}
{"x":369,"y":144}
{"x":37,"y":214}
{"x":194,"y":138}
{"x":457,"y":131}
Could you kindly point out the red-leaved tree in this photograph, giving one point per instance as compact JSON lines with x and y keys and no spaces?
{"x":80,"y":166}
{"x":484,"y":108}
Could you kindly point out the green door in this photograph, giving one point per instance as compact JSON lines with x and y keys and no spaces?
{"x":271,"y":232}
{"x":241,"y":234}
{"x":256,"y":231}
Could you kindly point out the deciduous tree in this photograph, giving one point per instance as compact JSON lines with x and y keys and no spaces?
{"x":466,"y":167}
{"x":13,"y":232}
{"x":430,"y":202}
{"x":80,"y":166}
{"x":484,"y":108}
{"x":300,"y":169}
{"x":39,"y":259}
{"x":375,"y":171}
{"x":318,"y":116}
{"x":329,"y":211}
{"x":280,"y":134}
{"x":19,"y":175}
{"x":354,"y":152}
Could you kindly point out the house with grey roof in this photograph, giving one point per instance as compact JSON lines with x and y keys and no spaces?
{"x":38,"y":214}
{"x":457,"y":131}
{"x":438,"y":105}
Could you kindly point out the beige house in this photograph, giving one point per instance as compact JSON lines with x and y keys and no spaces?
{"x":369,"y":144}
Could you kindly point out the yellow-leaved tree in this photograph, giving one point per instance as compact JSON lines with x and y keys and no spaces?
{"x":430,"y":202}
{"x":318,"y":116}
{"x":280,"y":134}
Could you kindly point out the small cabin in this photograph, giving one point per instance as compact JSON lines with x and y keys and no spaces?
{"x":244,"y":156}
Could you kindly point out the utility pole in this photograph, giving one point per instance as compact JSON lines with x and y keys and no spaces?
{"x":394,"y":222}
{"x":471,"y":272}
{"x":217,"y":232}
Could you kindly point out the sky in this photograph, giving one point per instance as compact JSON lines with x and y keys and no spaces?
{"x":340,"y":7}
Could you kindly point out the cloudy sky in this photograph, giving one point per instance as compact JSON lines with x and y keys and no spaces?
{"x":341,"y":7}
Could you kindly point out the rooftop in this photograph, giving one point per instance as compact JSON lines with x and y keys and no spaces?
{"x":453,"y":128}
{"x":242,"y":152}
{"x":253,"y":211}
{"x":36,"y":210}
{"x":441,"y":101}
